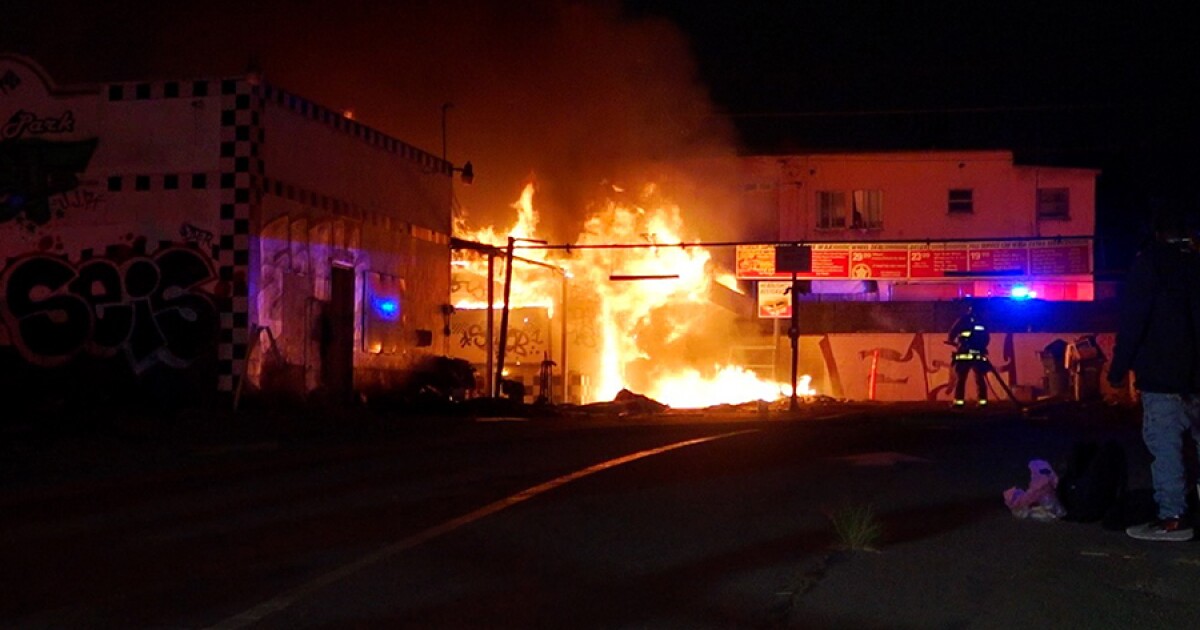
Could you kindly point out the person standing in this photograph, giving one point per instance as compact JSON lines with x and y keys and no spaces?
{"x":1158,"y":341}
{"x":970,"y":339}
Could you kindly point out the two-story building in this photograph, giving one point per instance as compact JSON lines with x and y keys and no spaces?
{"x":183,"y":236}
{"x":969,"y":222}
{"x":896,"y":240}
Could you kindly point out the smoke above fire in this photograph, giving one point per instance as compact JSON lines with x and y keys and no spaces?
{"x":573,"y":94}
{"x":605,"y":113}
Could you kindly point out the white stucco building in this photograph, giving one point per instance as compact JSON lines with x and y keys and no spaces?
{"x":197,"y":231}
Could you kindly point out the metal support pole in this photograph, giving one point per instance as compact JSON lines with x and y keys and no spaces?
{"x":774,"y":351}
{"x":491,"y":323}
{"x":563,"y":351}
{"x":794,"y":335}
{"x":508,"y":269}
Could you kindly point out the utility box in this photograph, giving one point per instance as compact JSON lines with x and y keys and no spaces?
{"x":1055,"y":378}
{"x":1085,"y":361}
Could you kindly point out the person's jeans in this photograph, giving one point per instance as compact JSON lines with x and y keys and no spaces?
{"x":1165,"y":419}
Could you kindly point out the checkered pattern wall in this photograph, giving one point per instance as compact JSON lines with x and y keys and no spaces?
{"x":241,"y":170}
{"x":242,"y":183}
{"x":343,"y":124}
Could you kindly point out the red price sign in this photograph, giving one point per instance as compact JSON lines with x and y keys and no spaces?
{"x":934,"y":263}
{"x":829,"y":263}
{"x":755,"y":261}
{"x":1012,"y":260}
{"x":1060,"y":260}
{"x":1042,"y":257}
{"x":884,"y":263}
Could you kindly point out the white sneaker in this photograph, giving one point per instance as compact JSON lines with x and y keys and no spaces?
{"x":1166,"y":529}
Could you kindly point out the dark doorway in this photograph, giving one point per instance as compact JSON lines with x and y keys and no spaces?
{"x":337,"y":339}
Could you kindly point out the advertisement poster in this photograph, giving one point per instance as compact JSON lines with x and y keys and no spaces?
{"x":881,"y":262}
{"x":900,"y":261}
{"x":937,"y":262}
{"x":774,"y":300}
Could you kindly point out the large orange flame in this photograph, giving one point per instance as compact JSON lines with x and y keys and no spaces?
{"x":654,"y":290}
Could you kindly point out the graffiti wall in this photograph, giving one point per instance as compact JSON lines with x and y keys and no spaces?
{"x":292,"y":292}
{"x":139,"y":225}
{"x":149,"y":309}
{"x":916,"y":366}
{"x":529,"y":336}
{"x":106,"y":261}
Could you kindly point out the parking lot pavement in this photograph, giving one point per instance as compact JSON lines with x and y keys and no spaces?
{"x":953,"y":556}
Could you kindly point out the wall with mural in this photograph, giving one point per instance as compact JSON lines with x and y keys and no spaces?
{"x":533,"y":332}
{"x":916,"y":366}
{"x":531,"y":336}
{"x":108,"y":232}
{"x":210,"y":229}
{"x":148,"y":308}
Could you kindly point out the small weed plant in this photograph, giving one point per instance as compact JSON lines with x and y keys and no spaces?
{"x":856,"y":527}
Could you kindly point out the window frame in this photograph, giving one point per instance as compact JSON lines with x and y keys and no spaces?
{"x":961,"y":205}
{"x":831,"y":216}
{"x":1054,"y":209}
{"x":382,"y":332}
{"x":871,"y":213}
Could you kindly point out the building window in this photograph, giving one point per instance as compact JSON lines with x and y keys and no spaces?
{"x":831,"y":209}
{"x":961,"y":201}
{"x":384,"y":313}
{"x":1053,"y":203}
{"x":868,"y":209}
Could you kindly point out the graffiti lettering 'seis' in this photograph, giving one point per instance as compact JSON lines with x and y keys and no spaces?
{"x":153,"y":309}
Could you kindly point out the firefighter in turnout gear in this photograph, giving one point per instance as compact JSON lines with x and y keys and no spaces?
{"x":970,"y":339}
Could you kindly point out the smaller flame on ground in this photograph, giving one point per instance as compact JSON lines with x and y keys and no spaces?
{"x":688,"y":389}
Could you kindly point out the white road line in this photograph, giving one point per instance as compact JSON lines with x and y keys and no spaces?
{"x":288,"y":598}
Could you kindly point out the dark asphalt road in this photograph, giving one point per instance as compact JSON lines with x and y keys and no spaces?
{"x":430,"y":529}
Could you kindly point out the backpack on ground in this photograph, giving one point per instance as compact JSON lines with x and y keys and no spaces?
{"x":1093,"y":485}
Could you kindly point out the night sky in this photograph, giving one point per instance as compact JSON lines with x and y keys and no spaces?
{"x":566,"y":93}
{"x":1102,"y":85}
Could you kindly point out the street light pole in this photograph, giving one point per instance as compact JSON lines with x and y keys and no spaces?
{"x":794,"y":335}
{"x":563,"y":325}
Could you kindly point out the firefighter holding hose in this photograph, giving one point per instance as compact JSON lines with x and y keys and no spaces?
{"x":970,"y":338}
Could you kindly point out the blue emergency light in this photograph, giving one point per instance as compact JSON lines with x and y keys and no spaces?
{"x":1022,"y":292}
{"x":386,"y":308}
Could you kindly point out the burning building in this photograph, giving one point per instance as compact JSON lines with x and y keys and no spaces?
{"x":640,"y":308}
{"x":213,"y":229}
{"x":213,"y":235}
{"x":894,"y":241}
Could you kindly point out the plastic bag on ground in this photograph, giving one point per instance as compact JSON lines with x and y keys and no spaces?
{"x":1040,"y":500}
